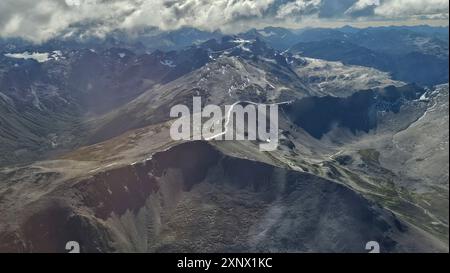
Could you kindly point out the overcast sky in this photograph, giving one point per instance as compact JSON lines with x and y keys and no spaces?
{"x":39,"y":20}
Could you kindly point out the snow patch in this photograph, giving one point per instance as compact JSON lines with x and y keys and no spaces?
{"x":242,"y":41}
{"x":424,"y":97}
{"x":266,"y":34}
{"x":37,"y":56}
{"x":56,"y":55}
{"x":168,"y":63}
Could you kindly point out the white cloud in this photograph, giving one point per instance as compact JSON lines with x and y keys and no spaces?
{"x":44,"y":19}
{"x":298,"y":7}
{"x":204,"y":14}
{"x":362,"y":5}
{"x":406,"y":8}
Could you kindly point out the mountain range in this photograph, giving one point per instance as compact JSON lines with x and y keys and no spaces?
{"x":86,"y":153}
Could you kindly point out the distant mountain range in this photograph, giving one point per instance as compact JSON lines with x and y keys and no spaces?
{"x":413,"y":54}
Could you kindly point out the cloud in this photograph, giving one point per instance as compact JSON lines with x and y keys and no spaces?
{"x":400,"y":9}
{"x":334,"y":9}
{"x":44,"y":19}
{"x":407,"y":8}
{"x":363,"y":8}
{"x":298,"y":7}
{"x":204,"y":14}
{"x":41,"y":20}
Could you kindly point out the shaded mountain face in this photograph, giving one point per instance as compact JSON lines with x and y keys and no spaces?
{"x":358,"y":112}
{"x":45,"y":103}
{"x":361,"y":157}
{"x":86,"y":76}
